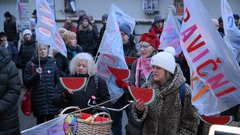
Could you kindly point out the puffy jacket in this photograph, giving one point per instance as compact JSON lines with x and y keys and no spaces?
{"x":26,"y":52}
{"x":43,"y":87}
{"x":10,"y":89}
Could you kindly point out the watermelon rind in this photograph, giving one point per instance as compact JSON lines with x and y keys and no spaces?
{"x":73,"y":90}
{"x":221,"y":120}
{"x":120,"y":71}
{"x":152,"y":100}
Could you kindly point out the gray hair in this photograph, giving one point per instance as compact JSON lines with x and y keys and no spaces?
{"x":83,"y":56}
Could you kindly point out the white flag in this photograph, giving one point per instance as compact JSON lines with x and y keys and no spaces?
{"x":216,"y":86}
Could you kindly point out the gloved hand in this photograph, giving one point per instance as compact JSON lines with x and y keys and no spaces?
{"x":121,"y":84}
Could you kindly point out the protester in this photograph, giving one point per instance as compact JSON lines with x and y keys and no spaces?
{"x":27,"y":49}
{"x":10,"y":27}
{"x":82,"y":65}
{"x":149,"y":44}
{"x":34,"y":15}
{"x":93,"y":23}
{"x":157,"y":26}
{"x":140,"y":72}
{"x":10,"y":46}
{"x":10,"y":89}
{"x":87,"y":37}
{"x":103,"y":28}
{"x":41,"y":75}
{"x":168,"y":115}
{"x":71,"y":43}
{"x":68,"y":25}
{"x":129,"y":47}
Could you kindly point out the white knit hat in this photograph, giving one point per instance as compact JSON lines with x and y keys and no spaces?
{"x":27,"y":31}
{"x":170,"y":50}
{"x":164,"y":60}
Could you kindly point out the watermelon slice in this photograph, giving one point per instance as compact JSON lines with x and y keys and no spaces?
{"x":130,"y":60}
{"x":73,"y":83}
{"x":122,"y":74}
{"x":221,"y":120}
{"x":143,"y":94}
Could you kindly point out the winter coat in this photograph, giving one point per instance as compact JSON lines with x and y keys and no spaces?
{"x":62,"y":64}
{"x":87,"y":39}
{"x":43,"y":87}
{"x":80,"y":98}
{"x":26,"y":52}
{"x":11,"y":29}
{"x":10,"y":89}
{"x":71,"y":52}
{"x":167,"y":116}
{"x":13,"y":52}
{"x":130,"y":49}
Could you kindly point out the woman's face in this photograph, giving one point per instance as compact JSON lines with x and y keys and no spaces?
{"x":85,"y":23}
{"x":27,"y":37}
{"x":158,"y":73}
{"x":72,"y":42}
{"x":42,"y":51}
{"x":146,"y":50}
{"x":82,"y":67}
{"x":159,"y":25}
{"x":125,"y":38}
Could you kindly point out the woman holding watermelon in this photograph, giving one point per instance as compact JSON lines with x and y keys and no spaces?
{"x":82,"y":65}
{"x":40,"y":76}
{"x":170,"y":114}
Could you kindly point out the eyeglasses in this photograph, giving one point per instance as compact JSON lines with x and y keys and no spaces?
{"x":144,"y":46}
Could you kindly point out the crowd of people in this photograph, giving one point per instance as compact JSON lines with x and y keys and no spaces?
{"x":161,"y":70}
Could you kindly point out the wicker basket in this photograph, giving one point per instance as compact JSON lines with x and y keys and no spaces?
{"x":92,"y":127}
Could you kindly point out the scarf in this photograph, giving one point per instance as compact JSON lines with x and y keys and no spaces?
{"x":143,"y":67}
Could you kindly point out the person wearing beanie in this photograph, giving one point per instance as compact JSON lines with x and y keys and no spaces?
{"x":157,"y":26}
{"x":129,"y":46}
{"x":10,"y":27}
{"x":130,"y":50}
{"x":102,"y":30}
{"x":87,"y":37}
{"x":166,"y":80}
{"x":26,"y":50}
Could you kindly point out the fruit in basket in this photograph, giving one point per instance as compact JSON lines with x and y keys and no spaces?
{"x":122,"y":74}
{"x":73,"y":83}
{"x":143,"y":94}
{"x":130,"y":60}
{"x":221,"y":120}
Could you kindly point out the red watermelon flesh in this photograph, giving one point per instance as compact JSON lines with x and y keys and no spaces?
{"x":221,"y":120}
{"x":143,"y":94}
{"x":73,"y":83}
{"x":122,"y":74}
{"x":97,"y":119}
{"x":130,"y":60}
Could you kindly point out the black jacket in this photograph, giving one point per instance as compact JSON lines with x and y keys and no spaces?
{"x":10,"y":89}
{"x":88,"y":41}
{"x":43,"y":87}
{"x":11,"y":29}
{"x":80,"y":98}
{"x":26,"y":52}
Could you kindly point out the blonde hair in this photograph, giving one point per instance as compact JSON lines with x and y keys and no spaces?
{"x":62,"y":30}
{"x":68,"y":35}
{"x":83,"y":56}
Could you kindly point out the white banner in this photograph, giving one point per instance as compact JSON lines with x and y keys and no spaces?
{"x":216,"y":86}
